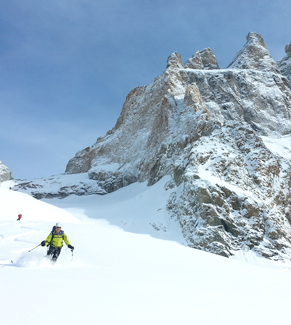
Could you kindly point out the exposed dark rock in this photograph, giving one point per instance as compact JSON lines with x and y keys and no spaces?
{"x":285,"y":64}
{"x":203,"y":60}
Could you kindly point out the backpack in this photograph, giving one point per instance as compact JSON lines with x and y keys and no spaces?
{"x":52,"y":232}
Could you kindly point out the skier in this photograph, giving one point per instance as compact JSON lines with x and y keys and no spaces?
{"x":55,"y":241}
{"x":19,"y":217}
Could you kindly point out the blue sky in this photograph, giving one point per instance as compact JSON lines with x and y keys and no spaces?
{"x":66,"y":66}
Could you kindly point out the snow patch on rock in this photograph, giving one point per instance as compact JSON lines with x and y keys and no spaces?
{"x":5,"y":173}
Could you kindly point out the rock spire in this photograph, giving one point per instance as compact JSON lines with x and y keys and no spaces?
{"x":5,"y":173}
{"x":203,"y":60}
{"x":254,"y":55}
{"x":285,"y":63}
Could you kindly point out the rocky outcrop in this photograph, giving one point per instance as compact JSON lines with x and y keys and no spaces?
{"x":5,"y":173}
{"x":203,"y":60}
{"x":204,"y":127}
{"x":234,"y":194}
{"x":285,"y":64}
{"x":59,"y":186}
{"x":254,"y":55}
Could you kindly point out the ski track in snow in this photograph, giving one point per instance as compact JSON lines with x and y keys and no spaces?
{"x":122,"y":278}
{"x":22,"y":256}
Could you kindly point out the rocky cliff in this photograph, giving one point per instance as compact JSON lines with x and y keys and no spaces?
{"x":207,"y":128}
{"x":285,"y":63}
{"x":5,"y":173}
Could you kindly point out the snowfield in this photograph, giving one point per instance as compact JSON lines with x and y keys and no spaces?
{"x":129,"y":267}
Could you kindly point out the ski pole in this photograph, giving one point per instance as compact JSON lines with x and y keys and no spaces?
{"x":72,"y":253}
{"x":34,"y":248}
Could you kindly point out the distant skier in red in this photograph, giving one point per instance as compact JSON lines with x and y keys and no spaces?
{"x":19,"y":217}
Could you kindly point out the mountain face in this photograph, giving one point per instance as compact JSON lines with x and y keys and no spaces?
{"x":5,"y":173}
{"x":208,"y":129}
{"x":285,"y":63}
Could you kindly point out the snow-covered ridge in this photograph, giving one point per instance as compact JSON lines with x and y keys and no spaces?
{"x":59,"y":186}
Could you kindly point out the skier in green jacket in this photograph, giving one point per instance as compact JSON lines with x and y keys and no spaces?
{"x":55,"y":241}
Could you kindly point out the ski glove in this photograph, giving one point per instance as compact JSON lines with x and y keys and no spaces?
{"x":43,"y":243}
{"x":71,"y":247}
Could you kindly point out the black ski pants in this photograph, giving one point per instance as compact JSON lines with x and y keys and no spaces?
{"x":54,"y":251}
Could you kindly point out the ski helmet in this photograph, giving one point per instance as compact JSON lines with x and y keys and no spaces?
{"x":58,"y":224}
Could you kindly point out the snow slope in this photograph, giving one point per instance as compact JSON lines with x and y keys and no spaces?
{"x":120,"y":277}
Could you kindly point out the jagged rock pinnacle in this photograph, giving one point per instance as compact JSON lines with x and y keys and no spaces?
{"x":5,"y":173}
{"x":288,"y":49}
{"x":203,"y":60}
{"x":285,"y":64}
{"x":174,"y":61}
{"x":254,"y":55}
{"x":255,"y":38}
